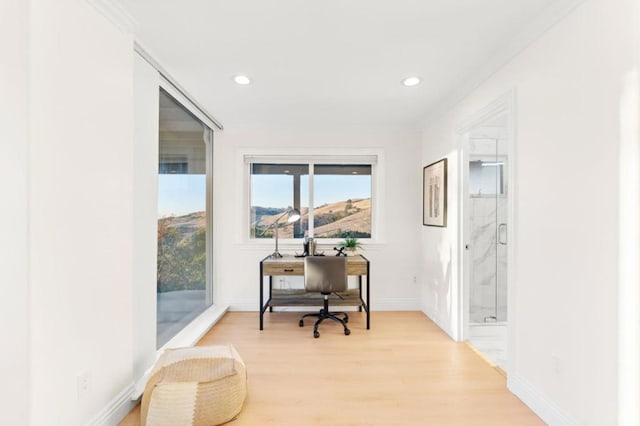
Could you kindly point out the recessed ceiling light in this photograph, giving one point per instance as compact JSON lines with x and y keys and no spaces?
{"x":242,"y":80}
{"x":411,"y":81}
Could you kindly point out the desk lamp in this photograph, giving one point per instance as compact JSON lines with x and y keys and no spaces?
{"x":293,"y":215}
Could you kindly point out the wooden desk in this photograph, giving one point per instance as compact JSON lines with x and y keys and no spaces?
{"x":294,"y":266}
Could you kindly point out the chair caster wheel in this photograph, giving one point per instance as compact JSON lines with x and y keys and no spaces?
{"x":316,"y":334}
{"x":347,"y":332}
{"x":301,"y":323}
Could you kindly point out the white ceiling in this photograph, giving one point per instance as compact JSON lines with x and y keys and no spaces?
{"x":331,"y":62}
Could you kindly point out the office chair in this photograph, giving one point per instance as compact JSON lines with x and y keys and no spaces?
{"x":325,"y":274}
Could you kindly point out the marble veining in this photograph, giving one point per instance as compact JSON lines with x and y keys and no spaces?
{"x":488,"y":260}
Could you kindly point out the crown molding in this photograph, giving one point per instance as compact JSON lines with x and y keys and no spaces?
{"x":116,"y":14}
{"x":531,"y":32}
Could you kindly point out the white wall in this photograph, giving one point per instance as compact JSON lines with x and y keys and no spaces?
{"x":14,"y":134}
{"x":569,"y":86}
{"x":145,"y":210}
{"x":393,"y":262}
{"x":629,"y":249}
{"x":81,"y":203}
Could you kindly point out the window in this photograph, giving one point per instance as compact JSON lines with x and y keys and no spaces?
{"x":334,"y":198}
{"x":183,"y":284}
{"x":274,"y":187}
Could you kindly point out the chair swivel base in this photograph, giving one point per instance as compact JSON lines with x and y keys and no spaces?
{"x":325,"y":314}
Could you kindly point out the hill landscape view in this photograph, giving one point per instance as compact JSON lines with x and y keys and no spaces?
{"x":349,"y":218}
{"x":182,"y":244}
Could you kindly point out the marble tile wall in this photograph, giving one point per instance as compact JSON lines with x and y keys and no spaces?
{"x":488,"y":266}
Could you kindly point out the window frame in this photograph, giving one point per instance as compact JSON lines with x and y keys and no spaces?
{"x":371,"y":157}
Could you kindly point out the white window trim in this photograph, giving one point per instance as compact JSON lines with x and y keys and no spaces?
{"x":324,"y":155}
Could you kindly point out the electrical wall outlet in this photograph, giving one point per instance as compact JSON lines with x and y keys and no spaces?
{"x":414,"y":279}
{"x":84,"y":383}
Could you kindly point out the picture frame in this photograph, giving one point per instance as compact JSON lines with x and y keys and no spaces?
{"x":434,"y":194}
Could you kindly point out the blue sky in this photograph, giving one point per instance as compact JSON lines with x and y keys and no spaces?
{"x":183,"y":194}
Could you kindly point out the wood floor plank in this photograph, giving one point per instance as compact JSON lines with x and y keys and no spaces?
{"x":404,"y":371}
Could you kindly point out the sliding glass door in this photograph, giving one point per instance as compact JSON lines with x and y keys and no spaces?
{"x":184,"y":288}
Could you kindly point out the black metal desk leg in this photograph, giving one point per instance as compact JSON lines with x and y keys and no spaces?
{"x":360,"y":291}
{"x":261,"y":296}
{"x":368,"y":302}
{"x":270,"y":291}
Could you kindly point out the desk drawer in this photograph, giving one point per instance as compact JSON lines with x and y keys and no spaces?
{"x":283,"y":268}
{"x":359,"y":268}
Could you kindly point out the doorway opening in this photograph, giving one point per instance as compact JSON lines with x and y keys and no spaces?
{"x":486,"y":237}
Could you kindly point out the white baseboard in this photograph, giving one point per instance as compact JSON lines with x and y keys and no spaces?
{"x":395,"y":304}
{"x":243,"y":305}
{"x":546,"y":409}
{"x":116,"y":410}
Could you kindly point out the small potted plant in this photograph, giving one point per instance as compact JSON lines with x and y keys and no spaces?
{"x":351,"y":244}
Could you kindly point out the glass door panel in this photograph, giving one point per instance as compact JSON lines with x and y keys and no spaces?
{"x":488,"y":230}
{"x":183,"y":289}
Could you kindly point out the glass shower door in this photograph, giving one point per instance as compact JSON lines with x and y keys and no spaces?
{"x":488,"y":230}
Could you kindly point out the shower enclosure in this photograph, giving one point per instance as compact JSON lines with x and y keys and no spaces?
{"x":487,"y":173}
{"x":487,"y":226}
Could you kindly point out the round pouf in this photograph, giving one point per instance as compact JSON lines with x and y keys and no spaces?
{"x":198,"y":386}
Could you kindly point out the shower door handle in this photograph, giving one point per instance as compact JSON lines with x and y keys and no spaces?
{"x":502,"y":232}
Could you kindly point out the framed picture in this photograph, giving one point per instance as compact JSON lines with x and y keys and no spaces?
{"x":434,"y":194}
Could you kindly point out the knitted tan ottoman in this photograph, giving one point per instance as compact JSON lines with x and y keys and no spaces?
{"x":198,"y":386}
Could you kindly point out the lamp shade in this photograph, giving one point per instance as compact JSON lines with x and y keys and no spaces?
{"x":293,"y":215}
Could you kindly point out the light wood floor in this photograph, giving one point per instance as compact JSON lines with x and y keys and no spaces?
{"x":404,"y":371}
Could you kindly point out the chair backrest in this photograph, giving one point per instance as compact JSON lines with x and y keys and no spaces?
{"x":325,"y":274}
